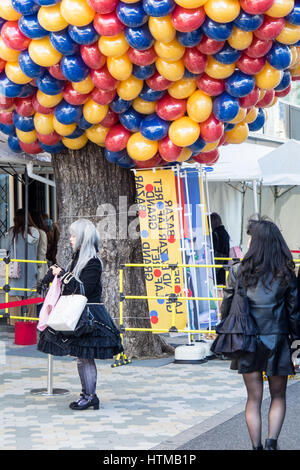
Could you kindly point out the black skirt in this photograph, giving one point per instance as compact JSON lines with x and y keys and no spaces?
{"x":103,"y":343}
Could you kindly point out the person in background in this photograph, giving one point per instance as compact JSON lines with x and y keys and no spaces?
{"x":221,"y":245}
{"x":42,"y":245}
{"x":53,"y":233}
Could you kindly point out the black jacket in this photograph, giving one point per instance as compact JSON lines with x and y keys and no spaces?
{"x":221,"y":242}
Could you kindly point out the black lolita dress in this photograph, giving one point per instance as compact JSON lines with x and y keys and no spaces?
{"x":104,"y":341}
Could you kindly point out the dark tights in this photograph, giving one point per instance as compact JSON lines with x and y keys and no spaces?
{"x":277,"y":387}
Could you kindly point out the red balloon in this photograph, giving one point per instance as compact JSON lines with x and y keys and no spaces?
{"x":209,"y":46}
{"x":250,"y":100}
{"x":258,"y":47}
{"x":158,"y":83}
{"x":194,"y":60}
{"x":6,"y":117}
{"x":102,"y":96}
{"x":39,"y":108}
{"x":186,"y":20}
{"x":295,"y":79}
{"x":13,"y":36}
{"x":250,"y":65}
{"x":210,"y":86}
{"x":110,"y":119}
{"x":2,"y":64}
{"x":154,"y":161}
{"x":117,"y":138}
{"x":168,"y":151}
{"x":255,"y":7}
{"x":103,"y":6}
{"x":208,"y":158}
{"x":103,"y":79}
{"x":24,"y":106}
{"x":285,"y":92}
{"x":92,"y":56}
{"x":74,"y":97}
{"x":146,"y":57}
{"x":270,"y":28}
{"x":6,"y":103}
{"x":49,"y":139}
{"x":108,"y":25}
{"x":212,"y":129}
{"x":55,"y":71}
{"x":31,"y":148}
{"x":170,"y":108}
{"x":266,"y":100}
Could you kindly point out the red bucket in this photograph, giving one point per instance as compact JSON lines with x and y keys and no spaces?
{"x":25,"y":333}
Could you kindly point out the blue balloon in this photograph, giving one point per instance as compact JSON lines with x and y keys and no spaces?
{"x":228,"y":126}
{"x":139,"y":38}
{"x":27,"y":90}
{"x":259,"y":121}
{"x":190,"y":39}
{"x":143,"y":71}
{"x":227,"y":55}
{"x":113,"y":157}
{"x":148,"y":94}
{"x":23,"y":123}
{"x":125,"y":162}
{"x":49,"y":84}
{"x":25,"y":7}
{"x":158,"y":8}
{"x":74,"y":68}
{"x":131,"y":14}
{"x":30,"y":27}
{"x":239,"y":84}
{"x":285,"y":81}
{"x":197,"y":146}
{"x":84,"y":124}
{"x":67,"y":113}
{"x":77,"y":133}
{"x":188,"y":74}
{"x":47,"y":3}
{"x":118,"y":105}
{"x":8,"y":129}
{"x":8,"y":88}
{"x":30,"y":68}
{"x":154,"y":128}
{"x":279,"y":56}
{"x":2,"y":21}
{"x":248,"y":22}
{"x":294,"y":16}
{"x":63,"y":43}
{"x":83,"y":35}
{"x":225,"y":107}
{"x":14,"y":144}
{"x":217,"y":31}
{"x":56,"y":148}
{"x":297,"y":44}
{"x":131,"y":119}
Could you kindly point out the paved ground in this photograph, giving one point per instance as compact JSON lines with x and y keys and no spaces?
{"x":145,"y":405}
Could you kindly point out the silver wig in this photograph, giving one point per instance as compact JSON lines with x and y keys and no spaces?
{"x":87,"y":239}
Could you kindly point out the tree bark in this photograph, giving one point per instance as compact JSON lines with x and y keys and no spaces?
{"x":89,"y":186}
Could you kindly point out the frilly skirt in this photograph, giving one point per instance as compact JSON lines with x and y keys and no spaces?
{"x":103,"y":342}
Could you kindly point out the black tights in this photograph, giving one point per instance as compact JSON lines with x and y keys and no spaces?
{"x":277,"y":387}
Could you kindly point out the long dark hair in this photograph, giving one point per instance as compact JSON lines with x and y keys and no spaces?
{"x":215,"y":220}
{"x":19,"y":223}
{"x":268,"y":257}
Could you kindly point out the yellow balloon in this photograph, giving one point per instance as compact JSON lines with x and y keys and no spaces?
{"x":94,"y":112}
{"x":268,"y":77}
{"x":26,"y":137}
{"x":184,"y":131}
{"x":238,"y":134}
{"x":113,"y":46}
{"x":7,"y":11}
{"x":77,"y":12}
{"x":217,"y":70}
{"x":210,"y":146}
{"x":15,"y":73}
{"x":240,"y":39}
{"x":162,"y":28}
{"x":51,"y":19}
{"x":75,"y":144}
{"x":141,"y":149}
{"x":199,"y":106}
{"x":280,"y":8}
{"x":294,"y":52}
{"x":182,"y":88}
{"x":130,"y":89}
{"x":185,"y":154}
{"x":119,"y":67}
{"x":8,"y":54}
{"x":48,"y":101}
{"x":240,"y":116}
{"x":143,"y":106}
{"x":261,"y":94}
{"x":172,"y":51}
{"x":222,"y":11}
{"x":190,"y":3}
{"x":43,"y":123}
{"x":97,"y":134}
{"x":63,"y":129}
{"x":170,"y":70}
{"x":295,"y":72}
{"x":84,"y":87}
{"x":43,"y":53}
{"x":290,"y":34}
{"x":251,"y":116}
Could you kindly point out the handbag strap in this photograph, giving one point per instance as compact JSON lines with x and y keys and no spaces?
{"x":66,"y":278}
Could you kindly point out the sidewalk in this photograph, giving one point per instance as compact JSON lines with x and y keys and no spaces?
{"x":149,"y":404}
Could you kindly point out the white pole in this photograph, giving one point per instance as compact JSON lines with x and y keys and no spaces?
{"x":254,"y":185}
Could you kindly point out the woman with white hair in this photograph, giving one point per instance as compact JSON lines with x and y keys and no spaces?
{"x":104,"y":341}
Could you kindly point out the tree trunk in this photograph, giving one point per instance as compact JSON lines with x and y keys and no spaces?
{"x":89,"y":186}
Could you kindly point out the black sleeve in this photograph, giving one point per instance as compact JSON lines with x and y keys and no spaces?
{"x":90,"y":278}
{"x":292,"y":307}
{"x":228,"y":292}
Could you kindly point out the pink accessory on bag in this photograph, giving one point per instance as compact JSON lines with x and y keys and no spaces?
{"x":50,"y":301}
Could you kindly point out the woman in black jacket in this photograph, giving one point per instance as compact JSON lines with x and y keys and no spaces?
{"x":104,"y":341}
{"x":267,"y":274}
{"x":221,"y":244}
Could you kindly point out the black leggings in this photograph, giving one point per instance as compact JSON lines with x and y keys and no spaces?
{"x":277,"y":387}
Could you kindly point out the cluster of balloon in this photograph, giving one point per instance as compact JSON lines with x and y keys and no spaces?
{"x":151,"y":81}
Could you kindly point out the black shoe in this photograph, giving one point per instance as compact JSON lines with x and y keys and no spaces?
{"x":271,"y":444}
{"x":260,"y":447}
{"x":74,"y":403}
{"x":84,"y":403}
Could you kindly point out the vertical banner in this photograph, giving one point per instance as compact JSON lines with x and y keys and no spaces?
{"x":160,"y":237}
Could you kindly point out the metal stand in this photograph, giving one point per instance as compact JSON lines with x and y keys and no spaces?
{"x":50,"y":391}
